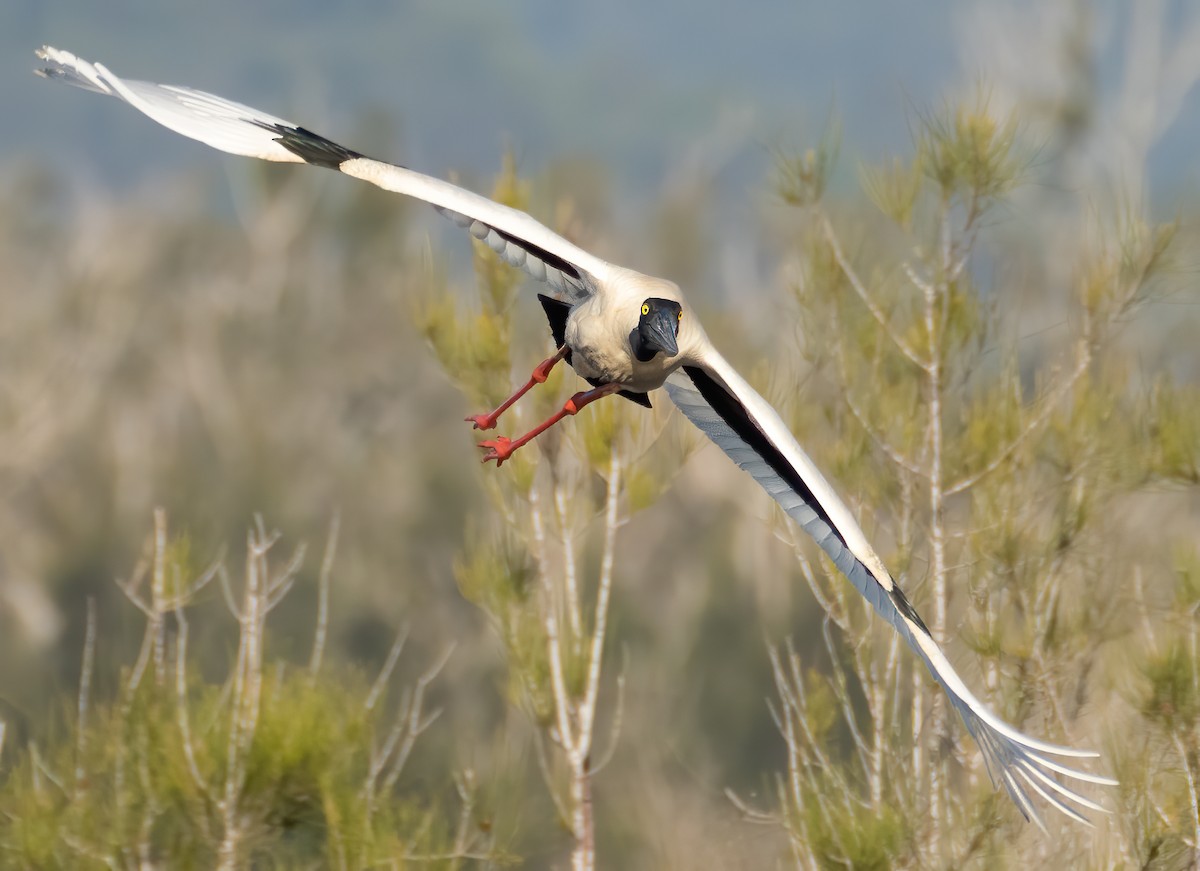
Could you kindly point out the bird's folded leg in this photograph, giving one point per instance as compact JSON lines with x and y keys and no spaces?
{"x":540,"y":373}
{"x":501,"y":448}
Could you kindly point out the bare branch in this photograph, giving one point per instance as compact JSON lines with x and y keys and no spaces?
{"x":917,"y":281}
{"x":587,"y":711}
{"x":181,"y":704}
{"x":891,"y":451}
{"x":614,"y":732}
{"x":227,"y":593}
{"x":380,"y":758}
{"x":89,"y":852}
{"x":564,"y":815}
{"x":283,"y":579}
{"x":260,"y":541}
{"x":185,"y":595}
{"x":835,"y":246}
{"x":417,"y":721}
{"x":936,"y":298}
{"x":750,"y":814}
{"x":562,"y":700}
{"x":465,"y":785}
{"x":278,"y":594}
{"x":827,"y":605}
{"x":247,"y":686}
{"x":85,"y":687}
{"x":130,"y":588}
{"x":323,"y":581}
{"x":1185,"y":759}
{"x":385,"y":673}
{"x":789,"y":683}
{"x":843,"y":697}
{"x":41,"y":766}
{"x":877,"y":699}
{"x":158,"y":593}
{"x":569,"y":572}
{"x":1032,"y":426}
{"x":434,"y":670}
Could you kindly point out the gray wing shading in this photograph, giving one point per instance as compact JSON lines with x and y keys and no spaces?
{"x":742,"y":424}
{"x":568,"y":282}
{"x":570,"y":273}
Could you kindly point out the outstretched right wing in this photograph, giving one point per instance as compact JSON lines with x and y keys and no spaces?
{"x":570,"y":272}
{"x":730,"y":412}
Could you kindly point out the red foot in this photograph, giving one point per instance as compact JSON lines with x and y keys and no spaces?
{"x":482,"y":421}
{"x":499,"y":449}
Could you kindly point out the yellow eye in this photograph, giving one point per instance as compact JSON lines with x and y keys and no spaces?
{"x":681,"y":314}
{"x":645,"y":309}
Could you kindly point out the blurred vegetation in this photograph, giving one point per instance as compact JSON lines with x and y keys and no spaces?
{"x":274,"y":766}
{"x":1009,"y":477}
{"x":998,"y":397}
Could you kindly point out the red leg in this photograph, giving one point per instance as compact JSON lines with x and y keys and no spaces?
{"x":501,"y":448}
{"x":540,"y":373}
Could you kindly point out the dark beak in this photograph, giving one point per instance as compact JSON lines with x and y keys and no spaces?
{"x":658,"y":331}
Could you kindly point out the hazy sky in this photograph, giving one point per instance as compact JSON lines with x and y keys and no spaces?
{"x":634,"y":85}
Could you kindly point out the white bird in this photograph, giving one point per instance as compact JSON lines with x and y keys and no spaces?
{"x":626,"y":333}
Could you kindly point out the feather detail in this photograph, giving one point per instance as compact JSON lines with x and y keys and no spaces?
{"x":740,"y":422}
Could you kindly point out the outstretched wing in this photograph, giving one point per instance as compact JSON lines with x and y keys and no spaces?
{"x":570,"y":272}
{"x":728,"y":410}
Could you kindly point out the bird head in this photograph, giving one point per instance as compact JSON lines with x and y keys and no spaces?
{"x":657,"y":328}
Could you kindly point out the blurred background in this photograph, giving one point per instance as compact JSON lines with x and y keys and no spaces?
{"x":185,"y":329}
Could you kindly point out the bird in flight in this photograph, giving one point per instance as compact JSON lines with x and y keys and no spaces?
{"x":626,"y":333}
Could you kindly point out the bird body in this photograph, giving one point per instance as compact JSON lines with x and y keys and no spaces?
{"x":627,"y":333}
{"x":599,"y":328}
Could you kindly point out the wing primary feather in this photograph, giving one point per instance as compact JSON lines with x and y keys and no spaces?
{"x":68,"y":69}
{"x":568,"y":271}
{"x":1030,"y":768}
{"x":308,"y":146}
{"x":720,"y":403}
{"x":905,"y":607}
{"x":735,"y":416}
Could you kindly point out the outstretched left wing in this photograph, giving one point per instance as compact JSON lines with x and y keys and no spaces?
{"x":729,"y":411}
{"x":570,"y":272}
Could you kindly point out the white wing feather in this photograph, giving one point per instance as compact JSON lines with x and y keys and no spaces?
{"x":213,"y":120}
{"x":1018,"y":760}
{"x":238,"y":129}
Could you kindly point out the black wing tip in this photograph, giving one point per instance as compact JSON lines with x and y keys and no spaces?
{"x":310,"y":147}
{"x":905,"y":607}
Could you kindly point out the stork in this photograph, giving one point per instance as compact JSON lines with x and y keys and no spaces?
{"x":629,"y":334}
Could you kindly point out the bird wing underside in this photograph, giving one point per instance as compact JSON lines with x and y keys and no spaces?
{"x":740,"y":422}
{"x":570,"y":273}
